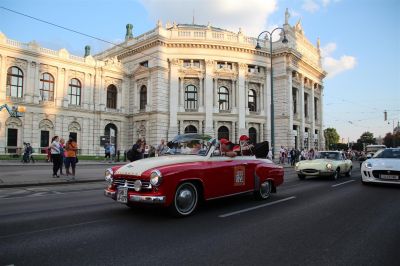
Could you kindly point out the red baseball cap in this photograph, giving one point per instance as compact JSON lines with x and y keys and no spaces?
{"x":244,"y":137}
{"x":224,"y":141}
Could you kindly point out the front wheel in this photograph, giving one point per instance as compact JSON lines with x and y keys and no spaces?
{"x":264,"y":191}
{"x":336,"y":174}
{"x":185,"y":199}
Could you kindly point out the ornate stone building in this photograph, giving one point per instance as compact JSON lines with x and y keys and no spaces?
{"x":170,"y":80}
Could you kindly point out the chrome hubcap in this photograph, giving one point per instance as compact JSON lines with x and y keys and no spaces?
{"x":265,"y":189}
{"x":186,"y":199}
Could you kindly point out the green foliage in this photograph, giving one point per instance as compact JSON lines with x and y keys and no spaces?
{"x":331,"y":137}
{"x":392,"y":140}
{"x":367,"y":138}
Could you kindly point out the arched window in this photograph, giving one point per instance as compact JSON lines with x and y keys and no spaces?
{"x":112,"y":97}
{"x":74,"y":92}
{"x":15,"y":82}
{"x":252,"y":101}
{"x":191,"y":97}
{"x":143,"y":97}
{"x":253,"y":135}
{"x":111,"y":134}
{"x":223,"y":98}
{"x":190,"y":129}
{"x":47,"y":87}
{"x":223,"y":133}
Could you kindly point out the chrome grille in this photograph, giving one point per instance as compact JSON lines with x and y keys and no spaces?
{"x":310,"y":171}
{"x":130,"y":183}
{"x":377,"y":173}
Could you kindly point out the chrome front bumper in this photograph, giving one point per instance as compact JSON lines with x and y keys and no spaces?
{"x":138,"y":198}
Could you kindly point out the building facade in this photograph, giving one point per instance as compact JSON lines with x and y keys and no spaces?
{"x":173,"y":79}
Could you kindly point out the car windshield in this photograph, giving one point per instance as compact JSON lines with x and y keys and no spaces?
{"x":328,"y":155}
{"x":189,"y":144}
{"x":388,"y":153}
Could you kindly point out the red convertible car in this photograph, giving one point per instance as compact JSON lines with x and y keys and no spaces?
{"x":194,"y":169}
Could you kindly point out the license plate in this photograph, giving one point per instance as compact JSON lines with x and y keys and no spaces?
{"x":122,"y":195}
{"x":390,"y":177}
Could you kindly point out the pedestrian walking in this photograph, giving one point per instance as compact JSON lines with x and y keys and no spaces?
{"x":55,"y":155}
{"x":70,"y":160}
{"x":112,"y":153}
{"x":62,"y":153}
{"x":107,"y":151}
{"x":137,"y":150}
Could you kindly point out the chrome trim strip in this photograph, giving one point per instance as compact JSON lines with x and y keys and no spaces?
{"x":225,"y":196}
{"x":147,"y":199}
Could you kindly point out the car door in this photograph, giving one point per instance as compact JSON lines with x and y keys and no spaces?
{"x":344,"y":167}
{"x":225,"y":176}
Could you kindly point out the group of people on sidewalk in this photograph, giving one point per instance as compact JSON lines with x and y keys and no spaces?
{"x":295,"y":155}
{"x":63,"y":154}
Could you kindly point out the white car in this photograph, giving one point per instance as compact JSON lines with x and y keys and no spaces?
{"x":384,"y":167}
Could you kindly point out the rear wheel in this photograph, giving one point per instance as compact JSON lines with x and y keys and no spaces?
{"x":264,"y":191}
{"x":185,"y":199}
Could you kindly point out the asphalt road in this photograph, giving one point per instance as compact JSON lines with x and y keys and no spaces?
{"x":311,"y":222}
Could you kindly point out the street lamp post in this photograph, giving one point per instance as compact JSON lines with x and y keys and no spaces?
{"x":258,"y":47}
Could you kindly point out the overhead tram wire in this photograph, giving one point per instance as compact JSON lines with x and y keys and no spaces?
{"x":80,"y":33}
{"x":85,"y":34}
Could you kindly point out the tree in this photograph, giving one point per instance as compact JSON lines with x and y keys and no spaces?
{"x":392,"y":140}
{"x":367,"y":138}
{"x":331,"y":137}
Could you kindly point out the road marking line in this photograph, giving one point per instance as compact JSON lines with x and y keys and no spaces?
{"x":343,"y":183}
{"x":255,"y":207}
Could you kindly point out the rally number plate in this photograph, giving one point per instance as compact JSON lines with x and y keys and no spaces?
{"x":122,"y":195}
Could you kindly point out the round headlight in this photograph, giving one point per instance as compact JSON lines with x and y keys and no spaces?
{"x":297,"y":164}
{"x":108,"y":175}
{"x":155,"y":178}
{"x":137,"y":185}
{"x":328,"y":166}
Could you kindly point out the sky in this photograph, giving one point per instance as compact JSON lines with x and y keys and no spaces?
{"x":360,"y":41}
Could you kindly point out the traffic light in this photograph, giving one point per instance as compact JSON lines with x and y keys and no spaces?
{"x":385,"y":115}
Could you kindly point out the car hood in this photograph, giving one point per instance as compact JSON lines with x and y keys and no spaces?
{"x":314,"y":163}
{"x":138,"y":167}
{"x":385,"y":164}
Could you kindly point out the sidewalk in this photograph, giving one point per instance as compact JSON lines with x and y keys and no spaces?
{"x":13,"y":173}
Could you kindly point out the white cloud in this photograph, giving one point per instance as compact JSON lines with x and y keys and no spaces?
{"x":310,"y":6}
{"x":314,"y":5}
{"x":250,"y":15}
{"x":335,"y":66}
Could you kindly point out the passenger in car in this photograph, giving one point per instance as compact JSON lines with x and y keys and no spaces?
{"x":227,"y":148}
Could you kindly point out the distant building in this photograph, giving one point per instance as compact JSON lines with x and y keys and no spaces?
{"x":170,"y":80}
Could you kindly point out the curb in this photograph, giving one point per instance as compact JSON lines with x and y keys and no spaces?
{"x":49,"y":183}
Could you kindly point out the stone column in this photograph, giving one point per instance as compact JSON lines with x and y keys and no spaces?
{"x":86,"y":91}
{"x":242,"y":98}
{"x":173,"y":100}
{"x":208,"y":101}
{"x":261,"y":132}
{"x":234,"y":137}
{"x":59,"y":87}
{"x":311,"y":138}
{"x":290,"y":94}
{"x":30,"y":84}
{"x":215,"y":96}
{"x":302,"y":115}
{"x":233,"y":103}
{"x":36,"y":86}
{"x":321,"y":130}
{"x":181,"y":95}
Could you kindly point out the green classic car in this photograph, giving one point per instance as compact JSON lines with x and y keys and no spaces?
{"x":326,"y":163}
